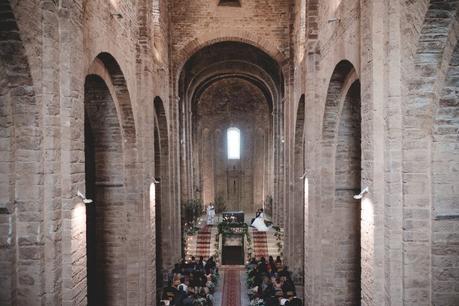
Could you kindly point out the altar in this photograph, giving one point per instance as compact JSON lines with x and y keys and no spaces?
{"x":233,"y":231}
{"x":234,"y":216}
{"x":233,"y":249}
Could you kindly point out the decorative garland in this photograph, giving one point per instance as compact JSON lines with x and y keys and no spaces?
{"x":228,"y":227}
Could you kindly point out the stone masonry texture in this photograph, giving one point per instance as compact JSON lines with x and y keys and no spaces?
{"x":128,"y":102}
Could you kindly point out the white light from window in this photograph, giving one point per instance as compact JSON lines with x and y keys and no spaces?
{"x":234,"y":143}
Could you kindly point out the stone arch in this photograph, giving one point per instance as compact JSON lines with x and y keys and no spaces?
{"x":297,"y":219}
{"x":105,"y":184}
{"x":342,"y":78}
{"x":341,"y":175}
{"x":210,"y":38}
{"x":445,"y":131}
{"x":445,"y":191}
{"x":423,"y":125}
{"x":110,"y":158}
{"x":158,"y":215}
{"x":164,"y":211}
{"x":107,"y":68}
{"x":21,"y":164}
{"x":347,"y":211}
{"x":206,"y":68}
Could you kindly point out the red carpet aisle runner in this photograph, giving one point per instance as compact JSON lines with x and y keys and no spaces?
{"x":203,"y":242}
{"x":260,"y":244}
{"x":232,"y":287}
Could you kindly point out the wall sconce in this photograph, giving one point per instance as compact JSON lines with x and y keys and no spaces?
{"x":334,"y":19}
{"x":360,"y":195}
{"x":117,"y":14}
{"x":304,"y":175}
{"x":85,"y":201}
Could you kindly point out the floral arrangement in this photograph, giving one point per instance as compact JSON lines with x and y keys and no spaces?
{"x":229,"y":226}
{"x":192,"y":210}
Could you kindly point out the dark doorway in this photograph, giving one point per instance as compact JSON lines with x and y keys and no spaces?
{"x":233,"y":250}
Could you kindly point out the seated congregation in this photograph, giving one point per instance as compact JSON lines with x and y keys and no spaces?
{"x":270,"y":283}
{"x":191,"y":283}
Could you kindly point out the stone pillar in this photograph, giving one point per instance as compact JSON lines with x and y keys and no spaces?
{"x":373,"y":14}
{"x":71,"y":80}
{"x":393,"y":159}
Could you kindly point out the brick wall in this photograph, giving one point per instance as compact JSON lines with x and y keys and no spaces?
{"x":229,"y":103}
{"x":445,"y":191}
{"x":402,"y":52}
{"x":198,"y":19}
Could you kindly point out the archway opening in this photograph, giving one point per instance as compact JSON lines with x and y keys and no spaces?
{"x":445,"y":191}
{"x":106,"y":222}
{"x":223,"y":85}
{"x":341,"y":169}
{"x":165,"y":223}
{"x":229,"y":130}
{"x":347,"y":209}
{"x":297,"y":213}
{"x":158,"y":251}
{"x":21,"y":178}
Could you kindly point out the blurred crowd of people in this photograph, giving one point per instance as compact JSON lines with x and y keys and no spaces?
{"x":191,"y":283}
{"x":270,"y":283}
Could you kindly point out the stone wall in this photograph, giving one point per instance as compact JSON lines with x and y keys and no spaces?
{"x":244,"y":183}
{"x":346,"y":212}
{"x":202,"y":20}
{"x":51,"y":268}
{"x":445,"y":190}
{"x":396,"y":111}
{"x":404,"y":53}
{"x":21,"y":168}
{"x":105,"y":184}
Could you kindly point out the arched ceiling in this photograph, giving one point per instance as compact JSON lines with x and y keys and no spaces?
{"x":231,"y":60}
{"x":232,"y":99}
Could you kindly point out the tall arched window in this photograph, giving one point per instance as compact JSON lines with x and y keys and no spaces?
{"x":233,"y":136}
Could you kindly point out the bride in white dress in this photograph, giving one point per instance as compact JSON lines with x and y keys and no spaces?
{"x":210,"y":214}
{"x":259,"y":223}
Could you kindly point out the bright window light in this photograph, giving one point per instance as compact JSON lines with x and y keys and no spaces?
{"x":234,"y":143}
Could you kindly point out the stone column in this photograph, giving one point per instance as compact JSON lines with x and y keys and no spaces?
{"x":373,"y":75}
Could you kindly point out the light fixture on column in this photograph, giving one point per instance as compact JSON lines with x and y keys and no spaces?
{"x":117,"y":15}
{"x":85,"y":201}
{"x":304,"y":175}
{"x":334,"y":19}
{"x":360,"y":195}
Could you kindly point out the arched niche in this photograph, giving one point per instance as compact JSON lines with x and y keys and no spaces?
{"x":341,"y":176}
{"x":167,"y":229}
{"x":226,"y":64}
{"x":295,"y":245}
{"x":110,"y":156}
{"x":21,"y":164}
